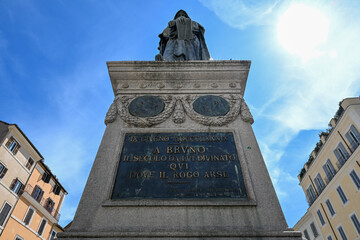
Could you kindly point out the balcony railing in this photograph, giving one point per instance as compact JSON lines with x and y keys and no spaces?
{"x":42,"y":201}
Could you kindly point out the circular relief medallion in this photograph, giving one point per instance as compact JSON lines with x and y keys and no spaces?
{"x":211,"y":105}
{"x":146,"y":106}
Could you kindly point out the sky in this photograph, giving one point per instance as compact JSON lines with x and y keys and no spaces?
{"x":55,"y":84}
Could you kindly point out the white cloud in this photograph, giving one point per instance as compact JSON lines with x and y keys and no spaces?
{"x":240,"y":13}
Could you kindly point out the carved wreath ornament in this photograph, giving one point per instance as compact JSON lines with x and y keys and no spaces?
{"x":177,"y":107}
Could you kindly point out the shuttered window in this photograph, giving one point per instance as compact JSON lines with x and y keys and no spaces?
{"x":353,"y":137}
{"x":330,"y":207}
{"x":314,"y":230}
{"x":341,"y":194}
{"x":319,"y":183}
{"x":355,"y":179}
{"x":28,"y":216}
{"x":341,"y":154}
{"x":13,"y":145}
{"x":321,"y":218}
{"x":342,"y":233}
{"x":329,"y":170}
{"x":42,"y":226}
{"x":4,"y":213}
{"x":3,"y":170}
{"x":356,"y":222}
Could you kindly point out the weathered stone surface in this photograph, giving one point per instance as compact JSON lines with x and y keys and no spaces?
{"x":258,"y":216}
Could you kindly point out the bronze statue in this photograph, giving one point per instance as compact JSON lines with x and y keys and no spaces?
{"x":183,"y":39}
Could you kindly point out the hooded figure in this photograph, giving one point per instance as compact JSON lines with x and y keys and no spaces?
{"x":183,"y":39}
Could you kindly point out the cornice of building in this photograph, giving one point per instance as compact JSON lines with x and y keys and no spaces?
{"x":345,"y":104}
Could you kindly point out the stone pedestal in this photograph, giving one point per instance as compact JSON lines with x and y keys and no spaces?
{"x":179,"y":159}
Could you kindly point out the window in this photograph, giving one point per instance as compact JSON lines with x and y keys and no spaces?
{"x":310,"y":194}
{"x":342,"y":233}
{"x":53,"y":235}
{"x":319,"y":183}
{"x":42,"y":226}
{"x":46,"y":177}
{"x":341,"y":154}
{"x":329,"y":237}
{"x":321,"y":218}
{"x":3,"y":170}
{"x":18,"y":238}
{"x":354,"y":137}
{"x":17,"y":186}
{"x":56,"y":189}
{"x":49,"y":205}
{"x":4,"y":213}
{"x":13,"y":145}
{"x":356,"y":222}
{"x":330,"y":207}
{"x":28,"y":216}
{"x":314,"y":230}
{"x":29,"y":163}
{"x":341,"y":194}
{"x":306,"y":234}
{"x":37,"y":193}
{"x":355,"y":179}
{"x":329,"y":170}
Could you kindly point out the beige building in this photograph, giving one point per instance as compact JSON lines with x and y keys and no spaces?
{"x":331,"y":179}
{"x":30,"y":195}
{"x":18,"y":156}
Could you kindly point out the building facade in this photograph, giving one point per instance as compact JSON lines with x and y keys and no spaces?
{"x":18,"y":156}
{"x":36,"y":201}
{"x":331,"y":179}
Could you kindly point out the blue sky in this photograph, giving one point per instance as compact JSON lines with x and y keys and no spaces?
{"x":55,"y":85}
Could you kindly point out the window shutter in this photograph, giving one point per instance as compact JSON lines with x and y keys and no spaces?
{"x":3,"y":172}
{"x":21,"y":191}
{"x":326,"y":170}
{"x":13,"y":184}
{"x":351,"y":141}
{"x":353,"y":129}
{"x":341,"y":160}
{"x":344,"y":150}
{"x":4,"y":213}
{"x":16,"y":149}
{"x":9,"y":142}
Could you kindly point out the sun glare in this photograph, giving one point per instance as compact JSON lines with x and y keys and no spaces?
{"x":302,"y":29}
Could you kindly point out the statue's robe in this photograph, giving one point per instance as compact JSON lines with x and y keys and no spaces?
{"x":183,"y":39}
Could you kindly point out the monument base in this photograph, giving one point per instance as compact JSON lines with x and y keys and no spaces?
{"x":179,"y":159}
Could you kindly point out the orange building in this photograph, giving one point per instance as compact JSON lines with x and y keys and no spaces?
{"x":36,"y":214}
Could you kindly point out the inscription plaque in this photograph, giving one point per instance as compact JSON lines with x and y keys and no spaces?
{"x":179,"y":165}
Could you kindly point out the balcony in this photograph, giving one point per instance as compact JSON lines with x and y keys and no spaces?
{"x":42,"y":201}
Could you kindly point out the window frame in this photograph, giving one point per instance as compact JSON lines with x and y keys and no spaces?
{"x":357,"y":223}
{"x":311,"y":194}
{"x":355,"y":178}
{"x":46,"y":221}
{"x":344,"y":199}
{"x":34,"y":211}
{"x":39,"y":196}
{"x":306,"y":234}
{"x":28,"y":164}
{"x":330,"y":208}
{"x":8,"y":214}
{"x":14,"y":188}
{"x":52,"y":231}
{"x":314,"y":230}
{"x":13,"y":148}
{"x":17,"y":237}
{"x":321,"y":218}
{"x":353,"y":137}
{"x":320,"y":185}
{"x":329,"y":237}
{"x":3,"y":170}
{"x":342,"y":231}
{"x":330,"y":170}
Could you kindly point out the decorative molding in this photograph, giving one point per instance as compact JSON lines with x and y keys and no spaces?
{"x":178,"y":106}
